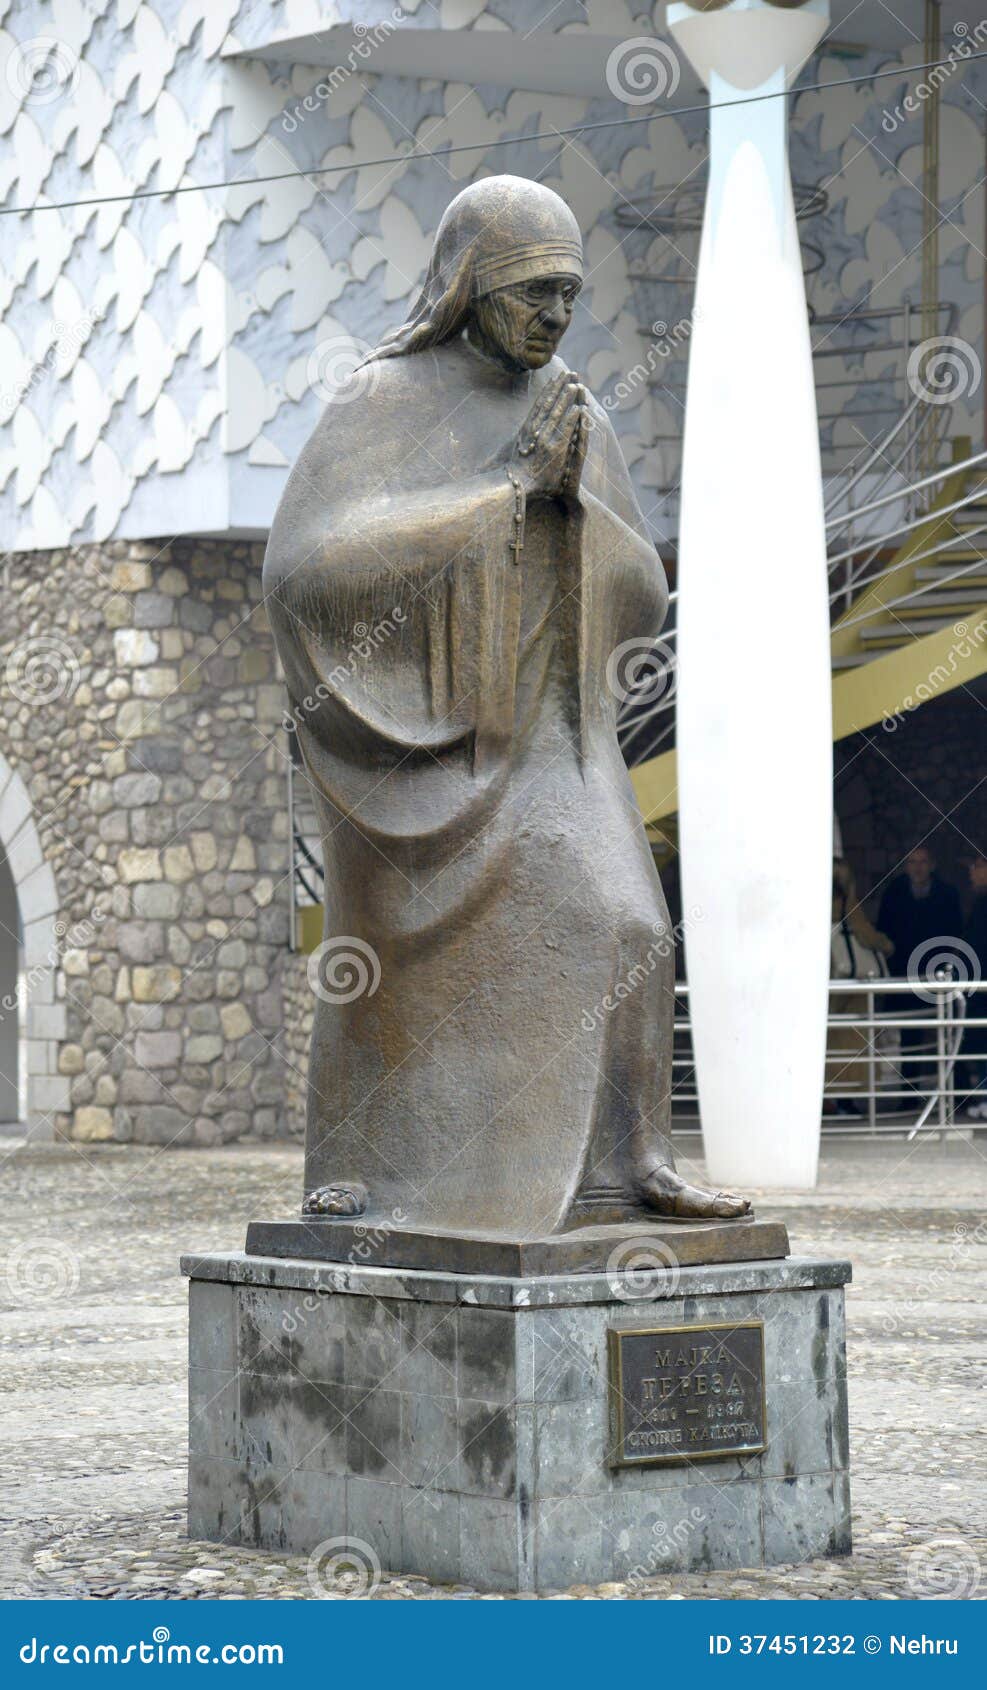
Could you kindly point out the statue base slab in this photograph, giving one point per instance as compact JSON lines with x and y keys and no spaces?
{"x":585,"y":1249}
{"x":519,"y":1433}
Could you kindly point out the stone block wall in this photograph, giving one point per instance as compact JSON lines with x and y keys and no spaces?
{"x":140,"y":712}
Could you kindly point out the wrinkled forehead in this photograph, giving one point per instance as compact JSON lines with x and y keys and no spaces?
{"x":530,"y":262}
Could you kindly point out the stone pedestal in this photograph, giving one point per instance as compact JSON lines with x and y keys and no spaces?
{"x":463,"y":1426}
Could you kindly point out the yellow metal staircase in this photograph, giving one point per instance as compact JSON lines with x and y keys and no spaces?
{"x":916,"y":630}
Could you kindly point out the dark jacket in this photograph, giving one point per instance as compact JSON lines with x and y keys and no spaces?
{"x":910,"y":922}
{"x":975,"y":932}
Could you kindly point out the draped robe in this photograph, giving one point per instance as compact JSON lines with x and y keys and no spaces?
{"x":511,"y":1069}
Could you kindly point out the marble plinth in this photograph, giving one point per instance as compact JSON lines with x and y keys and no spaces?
{"x":460,"y":1425}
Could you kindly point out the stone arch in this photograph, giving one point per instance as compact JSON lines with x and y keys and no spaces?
{"x":37,"y":901}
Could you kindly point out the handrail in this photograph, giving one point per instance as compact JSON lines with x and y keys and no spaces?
{"x":927,"y":516}
{"x":630,"y":726}
{"x":916,"y":592}
{"x":918,"y":486}
{"x":916,"y":436}
{"x":668,"y":634}
{"x":933,"y":513}
{"x":628,"y":730}
{"x":922,"y":429}
{"x":863,"y":315}
{"x":303,"y":883}
{"x":302,"y":858}
{"x":313,"y":862}
{"x":872,"y":1072}
{"x":866,"y":466}
{"x":891,"y":466}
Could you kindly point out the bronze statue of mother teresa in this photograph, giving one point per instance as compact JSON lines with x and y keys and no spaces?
{"x":497,"y":1058}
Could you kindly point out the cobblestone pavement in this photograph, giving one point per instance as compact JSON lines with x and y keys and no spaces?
{"x":92,"y":1325}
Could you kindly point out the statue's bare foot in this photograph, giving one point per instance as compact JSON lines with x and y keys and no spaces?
{"x":669,"y":1194}
{"x":336,"y":1200}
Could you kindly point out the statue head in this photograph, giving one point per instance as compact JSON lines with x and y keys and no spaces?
{"x":506,"y":267}
{"x":521,"y":325}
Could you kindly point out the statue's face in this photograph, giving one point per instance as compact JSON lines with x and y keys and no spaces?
{"x":522,"y":325}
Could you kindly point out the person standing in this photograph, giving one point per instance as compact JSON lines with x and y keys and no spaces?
{"x":916,"y":908}
{"x":858,"y":952}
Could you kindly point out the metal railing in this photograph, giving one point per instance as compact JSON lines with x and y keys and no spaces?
{"x":308,"y":876}
{"x":918,"y":426}
{"x":895,"y":476}
{"x":851,"y":568}
{"x":892,"y":1065}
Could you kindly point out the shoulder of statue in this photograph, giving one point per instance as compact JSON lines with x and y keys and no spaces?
{"x":378,"y":397}
{"x":386,"y":378}
{"x":360,"y":430}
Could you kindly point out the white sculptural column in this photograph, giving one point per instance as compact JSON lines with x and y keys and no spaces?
{"x":754,"y":705}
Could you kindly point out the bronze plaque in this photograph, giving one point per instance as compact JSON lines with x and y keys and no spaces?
{"x":685,"y":1393}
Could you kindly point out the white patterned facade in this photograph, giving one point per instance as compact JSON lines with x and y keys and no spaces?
{"x":163,"y":359}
